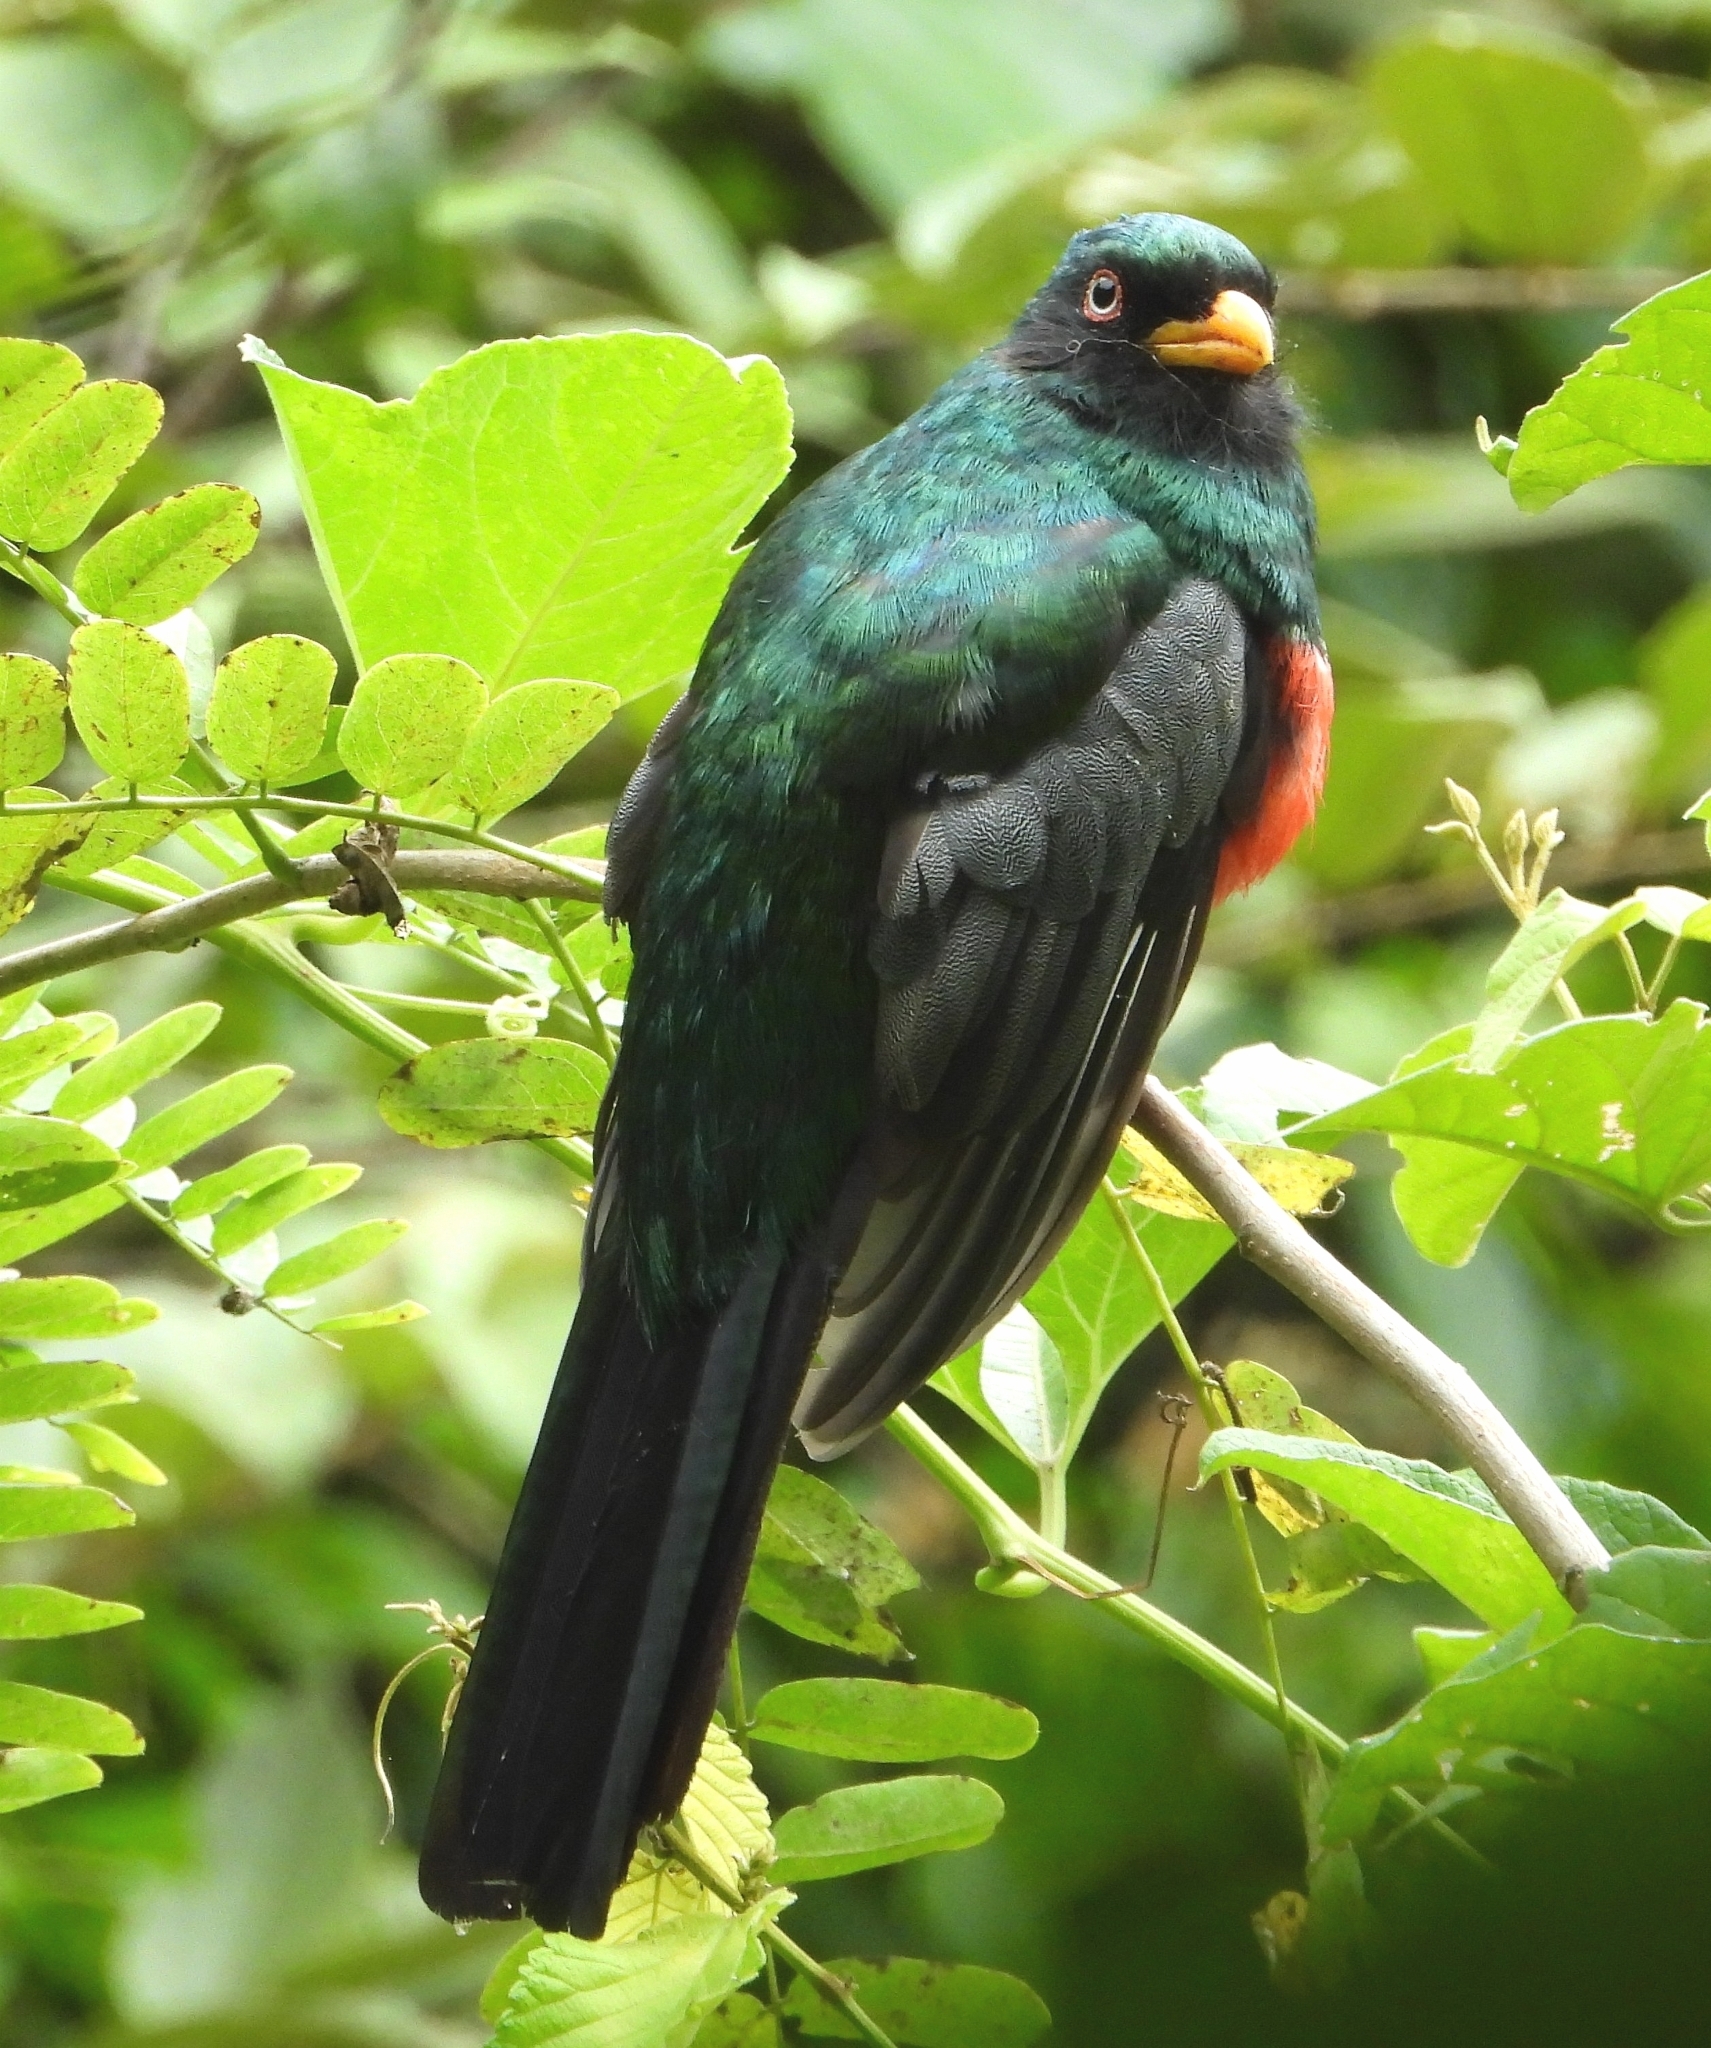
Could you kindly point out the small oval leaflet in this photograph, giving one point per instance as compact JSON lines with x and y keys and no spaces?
{"x":32,"y":719}
{"x":35,"y":376}
{"x":60,"y":1720}
{"x":62,"y":471}
{"x":475,"y":1089}
{"x":130,"y":697}
{"x":861,"y":1827}
{"x":408,"y":720}
{"x":35,"y":1387}
{"x":521,"y":741}
{"x":163,"y":558}
{"x":269,"y":707}
{"x":43,"y":1159}
{"x":879,"y":1720}
{"x":925,"y":2005}
{"x":28,"y":1776}
{"x":37,"y":1613}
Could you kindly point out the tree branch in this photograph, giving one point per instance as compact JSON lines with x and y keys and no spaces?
{"x":1278,"y":1245}
{"x":157,"y":931}
{"x":1372,"y":294}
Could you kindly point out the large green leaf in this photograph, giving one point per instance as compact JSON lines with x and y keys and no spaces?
{"x":863,"y":1827}
{"x":876,"y":1720}
{"x":472,"y":1090}
{"x":63,"y":470}
{"x":1654,"y":1591}
{"x":163,"y":558}
{"x":1536,"y":145}
{"x":1622,"y":1103}
{"x":924,"y":2005}
{"x":1593,"y":1704}
{"x":1093,"y":1305}
{"x":540,"y":508}
{"x":1552,"y":939}
{"x":1444,"y":1522}
{"x":32,"y":719}
{"x":1642,"y":400}
{"x":634,"y":1994}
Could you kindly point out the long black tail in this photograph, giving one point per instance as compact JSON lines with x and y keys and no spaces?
{"x":599,"y":1660}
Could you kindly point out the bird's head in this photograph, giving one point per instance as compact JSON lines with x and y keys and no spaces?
{"x":1162,"y":322}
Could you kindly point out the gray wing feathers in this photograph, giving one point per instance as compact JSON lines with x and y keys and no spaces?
{"x":1032,"y":934}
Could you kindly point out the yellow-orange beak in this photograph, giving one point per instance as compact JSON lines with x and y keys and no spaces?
{"x":1235,"y":337}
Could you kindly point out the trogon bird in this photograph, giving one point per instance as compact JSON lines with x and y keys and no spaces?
{"x":989,"y":719}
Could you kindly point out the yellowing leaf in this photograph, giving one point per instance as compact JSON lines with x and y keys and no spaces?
{"x":32,"y":719}
{"x":130,"y":696}
{"x":408,"y":720}
{"x":163,"y":558}
{"x":62,"y":471}
{"x":1158,"y":1185}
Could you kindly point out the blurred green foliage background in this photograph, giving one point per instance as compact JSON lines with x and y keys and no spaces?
{"x":865,"y":190}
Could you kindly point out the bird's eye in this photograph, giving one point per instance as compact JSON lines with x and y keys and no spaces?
{"x":1103,"y":298}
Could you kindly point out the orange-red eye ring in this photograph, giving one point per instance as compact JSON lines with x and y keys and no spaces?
{"x":1103,"y":299}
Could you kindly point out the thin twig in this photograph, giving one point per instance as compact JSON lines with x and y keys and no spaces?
{"x":165,"y":930}
{"x":1278,"y":1245}
{"x":574,"y":975}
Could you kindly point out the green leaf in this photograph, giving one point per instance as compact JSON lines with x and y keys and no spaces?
{"x":521,"y":741}
{"x":862,"y":1827}
{"x":1636,"y":401}
{"x":60,"y":473}
{"x":32,"y":1715}
{"x":726,"y":1820}
{"x":1444,"y":1522}
{"x":269,"y":707}
{"x":1537,"y":145}
{"x":1622,"y":1520}
{"x":1443,"y":1651}
{"x":1094,"y":1305}
{"x":107,"y":1451}
{"x":33,"y":1387}
{"x":823,"y":1573}
{"x":635,"y":1994}
{"x":1022,"y":1381}
{"x":408,"y":719}
{"x":28,"y":1776}
{"x":739,"y":2021}
{"x":163,"y":558}
{"x":135,"y":1061}
{"x":925,"y":2005}
{"x":34,"y":377}
{"x":28,"y":1230}
{"x":37,"y":1613}
{"x":32,"y":720}
{"x":116,"y":836}
{"x":29,"y":846}
{"x":1653,"y":1591}
{"x":208,"y":1113}
{"x":43,"y":1160}
{"x":25,"y":1058}
{"x":1551,"y":940}
{"x":373,"y":1318}
{"x":261,"y":1169}
{"x":1594,"y":1701}
{"x":35,"y":1511}
{"x":130,"y":696}
{"x":561,"y":507}
{"x":334,"y":1257}
{"x":69,"y":1306}
{"x":255,"y":1215}
{"x":92,"y":136}
{"x":472,"y":1090}
{"x":1621,"y":1103}
{"x":496,"y":1992}
{"x":1444,"y":1196}
{"x":875,"y":1720}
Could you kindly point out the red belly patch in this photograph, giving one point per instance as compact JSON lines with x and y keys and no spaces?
{"x":1295,"y":775}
